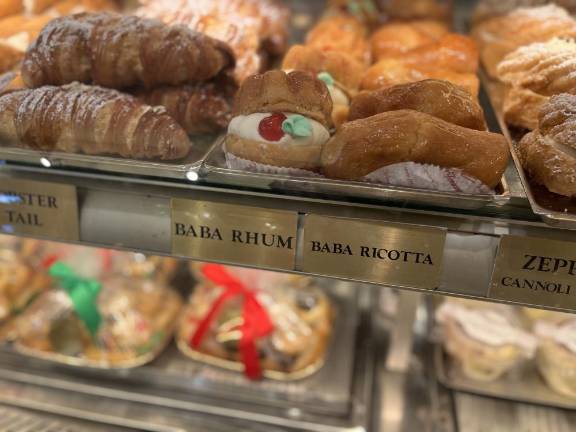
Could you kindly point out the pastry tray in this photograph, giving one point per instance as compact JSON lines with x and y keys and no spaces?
{"x":522,"y":385}
{"x":165,"y":169}
{"x":327,"y":392}
{"x":555,"y":210}
{"x":215,"y":170}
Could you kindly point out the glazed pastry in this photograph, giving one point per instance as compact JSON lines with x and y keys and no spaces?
{"x":440,"y":99}
{"x":290,"y":325}
{"x":418,"y":9}
{"x":395,"y":39}
{"x":485,"y":342}
{"x":533,"y":73}
{"x":202,"y":108}
{"x":341,"y":74}
{"x":547,"y":153}
{"x":11,"y":7}
{"x":11,"y":81}
{"x":122,"y":51}
{"x":280,"y":120}
{"x":391,"y":72}
{"x":116,"y":323}
{"x":254,"y":29}
{"x":499,"y":36}
{"x":91,"y":120}
{"x":383,"y":147}
{"x":341,"y":33}
{"x":556,"y":357}
{"x":486,"y":9}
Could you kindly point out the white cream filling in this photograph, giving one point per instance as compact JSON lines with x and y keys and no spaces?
{"x":338,"y":96}
{"x":489,"y":326}
{"x":563,"y":334}
{"x":246,"y":127}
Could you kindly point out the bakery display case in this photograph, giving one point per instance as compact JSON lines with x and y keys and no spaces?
{"x":285,"y":215}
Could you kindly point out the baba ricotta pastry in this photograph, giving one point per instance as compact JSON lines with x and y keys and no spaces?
{"x":280,"y":123}
{"x":485,"y":342}
{"x":556,"y":357}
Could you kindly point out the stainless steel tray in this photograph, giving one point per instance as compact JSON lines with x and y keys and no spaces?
{"x":522,"y":385}
{"x":215,"y":170}
{"x":555,"y":210}
{"x":187,"y":168}
{"x":327,"y":392}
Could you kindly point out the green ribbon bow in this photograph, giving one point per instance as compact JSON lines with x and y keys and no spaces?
{"x":83,"y":292}
{"x":297,"y":126}
{"x":357,"y":7}
{"x":327,"y":78}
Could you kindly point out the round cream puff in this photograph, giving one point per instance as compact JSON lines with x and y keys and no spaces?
{"x":281,"y":119}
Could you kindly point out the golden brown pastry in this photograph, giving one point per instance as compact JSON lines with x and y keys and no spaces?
{"x":390,"y":72}
{"x":119,"y":51}
{"x":440,"y":99}
{"x":11,"y":7}
{"x":397,"y":38}
{"x":532,"y":74}
{"x":340,"y":72}
{"x":547,"y":154}
{"x":254,"y":29}
{"x":418,"y":9}
{"x":499,"y":36}
{"x":67,"y":7}
{"x":16,"y":24}
{"x":10,"y":56}
{"x":11,"y":81}
{"x":363,"y":146}
{"x":341,"y":33}
{"x":92,"y":120}
{"x":281,"y":120}
{"x":200,"y":108}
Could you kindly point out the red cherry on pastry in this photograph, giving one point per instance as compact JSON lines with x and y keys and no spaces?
{"x":270,"y":128}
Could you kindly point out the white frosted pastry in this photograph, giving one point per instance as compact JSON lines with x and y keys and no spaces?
{"x":486,"y":342}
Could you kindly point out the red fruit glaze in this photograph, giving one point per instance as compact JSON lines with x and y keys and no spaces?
{"x":270,"y":128}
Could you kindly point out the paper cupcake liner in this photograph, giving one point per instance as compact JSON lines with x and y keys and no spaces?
{"x":236,"y":163}
{"x":421,"y":176}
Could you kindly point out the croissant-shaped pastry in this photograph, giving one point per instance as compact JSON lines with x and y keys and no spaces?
{"x":499,"y":36}
{"x":533,"y":73}
{"x":548,"y":153}
{"x":119,"y":51}
{"x":486,"y":9}
{"x":440,"y":99}
{"x":363,"y":146}
{"x":201,"y":108}
{"x":92,"y":120}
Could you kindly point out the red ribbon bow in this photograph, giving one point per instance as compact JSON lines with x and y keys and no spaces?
{"x":256,"y":322}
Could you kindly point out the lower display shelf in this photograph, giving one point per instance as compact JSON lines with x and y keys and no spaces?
{"x":336,"y":398}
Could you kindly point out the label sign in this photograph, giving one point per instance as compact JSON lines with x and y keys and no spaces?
{"x":380,"y":252}
{"x":535,"y":271}
{"x":39,"y":209}
{"x":237,"y":234}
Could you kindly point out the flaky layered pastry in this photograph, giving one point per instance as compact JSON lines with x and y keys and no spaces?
{"x":119,"y":51}
{"x":397,"y":38}
{"x":499,"y":36}
{"x":92,"y":120}
{"x":201,"y":108}
{"x":486,"y":9}
{"x":276,"y":91}
{"x":440,"y":99}
{"x":548,"y":154}
{"x":533,"y":73}
{"x":342,"y":33}
{"x":363,"y":146}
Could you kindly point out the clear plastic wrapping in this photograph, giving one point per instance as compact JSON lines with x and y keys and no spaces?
{"x":265,"y":324}
{"x":115,"y":322}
